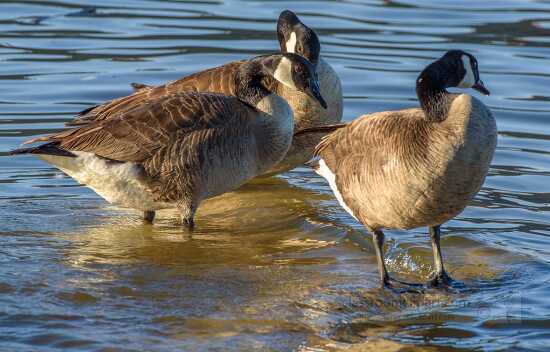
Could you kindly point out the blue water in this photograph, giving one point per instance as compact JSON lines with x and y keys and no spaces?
{"x":278,"y":265}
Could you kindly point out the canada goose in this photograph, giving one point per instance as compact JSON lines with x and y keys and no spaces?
{"x":179,"y":149}
{"x":294,"y":37}
{"x":415,"y":167}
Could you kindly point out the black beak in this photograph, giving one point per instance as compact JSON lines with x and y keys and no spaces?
{"x":315,"y":92}
{"x":480,"y":87}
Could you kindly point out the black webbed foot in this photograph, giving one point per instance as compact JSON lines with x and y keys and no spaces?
{"x":442,"y":280}
{"x":398,"y":286}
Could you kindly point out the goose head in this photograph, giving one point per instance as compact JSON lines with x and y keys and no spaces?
{"x":460,"y":69}
{"x":456,"y":68}
{"x":295,"y":72}
{"x":296,"y":37}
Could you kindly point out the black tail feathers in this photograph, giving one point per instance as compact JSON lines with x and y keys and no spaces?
{"x":320,"y":129}
{"x":140,"y":86}
{"x":48,"y":149}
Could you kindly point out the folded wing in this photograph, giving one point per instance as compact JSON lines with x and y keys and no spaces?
{"x":216,"y":80}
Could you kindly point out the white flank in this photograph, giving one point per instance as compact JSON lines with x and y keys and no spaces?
{"x":469,"y":79}
{"x":291,"y":43}
{"x":117,"y":183}
{"x":325,"y":172}
{"x":283,"y":73}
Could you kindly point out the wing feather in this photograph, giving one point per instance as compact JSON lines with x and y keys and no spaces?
{"x":215,"y":80}
{"x":138,"y":134}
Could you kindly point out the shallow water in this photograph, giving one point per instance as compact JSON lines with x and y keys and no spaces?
{"x":277,"y":265}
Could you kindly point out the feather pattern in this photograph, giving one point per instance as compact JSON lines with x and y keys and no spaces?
{"x":188,"y":146}
{"x":307,"y":111}
{"x":215,"y":80}
{"x":396,"y":169}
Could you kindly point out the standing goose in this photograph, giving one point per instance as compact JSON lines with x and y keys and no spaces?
{"x":415,"y":167}
{"x":294,"y":37}
{"x":180,"y":149}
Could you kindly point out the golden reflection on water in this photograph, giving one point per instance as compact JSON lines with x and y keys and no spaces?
{"x":272,"y":266}
{"x":267,"y":250}
{"x":246,"y":227}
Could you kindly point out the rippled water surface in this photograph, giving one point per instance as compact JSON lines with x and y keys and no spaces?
{"x":277,"y":265}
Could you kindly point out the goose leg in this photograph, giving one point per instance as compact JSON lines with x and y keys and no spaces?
{"x":440,"y":278}
{"x":188,"y":223}
{"x":378,"y":240}
{"x":188,"y":215}
{"x":148,"y":216}
{"x":385,"y":279}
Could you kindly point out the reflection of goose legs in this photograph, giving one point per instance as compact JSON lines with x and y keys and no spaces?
{"x":189,"y":223}
{"x":385,"y":279}
{"x":148,"y":216}
{"x":440,"y":277}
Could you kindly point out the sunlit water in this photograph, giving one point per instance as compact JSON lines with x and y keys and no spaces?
{"x":277,"y":265}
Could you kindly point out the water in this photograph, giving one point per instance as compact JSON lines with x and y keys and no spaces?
{"x":277,"y":265}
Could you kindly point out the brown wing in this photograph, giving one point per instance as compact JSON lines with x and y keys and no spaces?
{"x":376,"y":137}
{"x":137,"y":135}
{"x":365,"y":152}
{"x":216,"y":80}
{"x":189,"y":166}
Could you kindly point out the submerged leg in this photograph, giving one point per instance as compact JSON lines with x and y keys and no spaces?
{"x":187,"y":212}
{"x":440,"y":278}
{"x":188,"y":223}
{"x":148,"y":216}
{"x":378,"y":240}
{"x":386,"y":280}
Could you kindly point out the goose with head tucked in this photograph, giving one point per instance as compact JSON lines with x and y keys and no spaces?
{"x":182,"y":148}
{"x":294,"y":37}
{"x":415,"y":167}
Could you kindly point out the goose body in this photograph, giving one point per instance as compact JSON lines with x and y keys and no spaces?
{"x":415,"y":167}
{"x":294,"y":37}
{"x":222,"y":157}
{"x":396,"y":170}
{"x":177,"y":150}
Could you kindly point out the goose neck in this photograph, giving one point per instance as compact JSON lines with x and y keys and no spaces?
{"x":432,"y":94}
{"x":250,"y":84}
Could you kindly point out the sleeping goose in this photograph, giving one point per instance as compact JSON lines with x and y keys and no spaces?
{"x":182,"y":148}
{"x":415,"y":167}
{"x":294,"y":37}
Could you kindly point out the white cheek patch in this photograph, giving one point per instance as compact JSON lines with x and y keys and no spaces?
{"x":291,"y":43}
{"x":283,"y":73}
{"x":469,"y":79}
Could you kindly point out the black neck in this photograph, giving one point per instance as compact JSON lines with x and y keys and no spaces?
{"x":432,"y":93}
{"x":249,"y":83}
{"x":314,"y":47}
{"x":314,"y":59}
